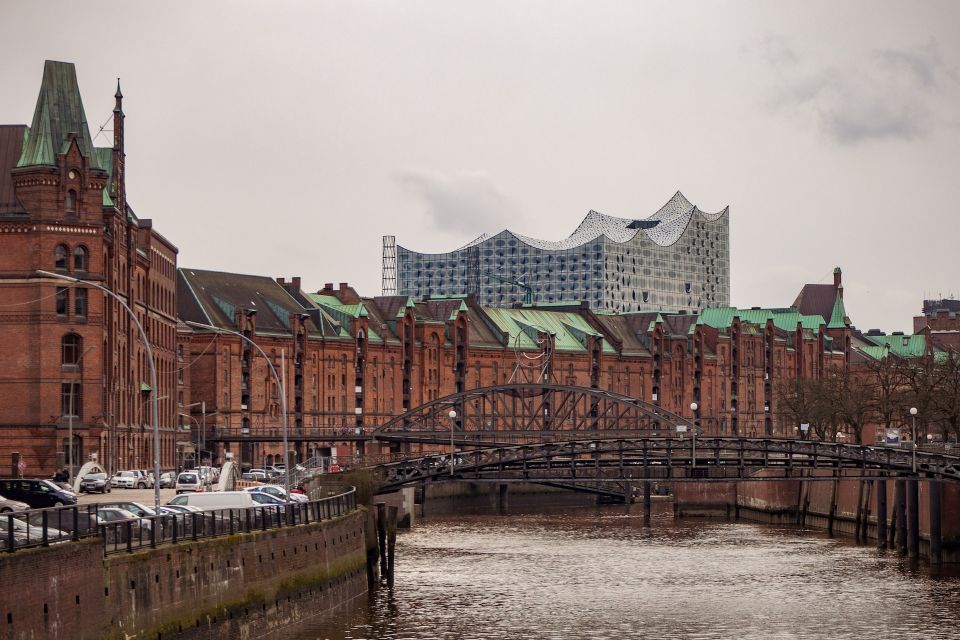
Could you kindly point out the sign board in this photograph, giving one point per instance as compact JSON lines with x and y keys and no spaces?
{"x":891,"y":436}
{"x":681,"y":428}
{"x":804,"y":426}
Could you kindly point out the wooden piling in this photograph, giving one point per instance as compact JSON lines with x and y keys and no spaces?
{"x":900,"y":504}
{"x":936,"y":540}
{"x":831,"y":516}
{"x":858,"y":517}
{"x":391,"y":541}
{"x":382,"y":535}
{"x":881,"y":513}
{"x":913,"y":517}
{"x":502,"y":497}
{"x":646,"y":501}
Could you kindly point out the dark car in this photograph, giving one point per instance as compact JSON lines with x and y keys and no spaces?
{"x":95,"y":483}
{"x":36,"y":493}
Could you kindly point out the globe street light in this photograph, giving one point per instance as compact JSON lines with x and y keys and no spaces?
{"x":453,"y":423}
{"x":153,"y":376}
{"x":693,"y":410}
{"x":913,"y":435}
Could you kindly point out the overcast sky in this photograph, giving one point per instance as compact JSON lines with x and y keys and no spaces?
{"x":285,"y":138}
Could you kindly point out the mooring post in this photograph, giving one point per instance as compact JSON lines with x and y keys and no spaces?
{"x":913,"y":517}
{"x":646,"y":501}
{"x":881,"y":513}
{"x":502,"y":490}
{"x":936,"y":542}
{"x":627,"y":494}
{"x":833,"y":507}
{"x":382,"y":535}
{"x":391,"y":541}
{"x":858,"y":518}
{"x":900,"y":504}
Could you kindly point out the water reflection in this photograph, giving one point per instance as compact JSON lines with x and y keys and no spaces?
{"x":600,"y":572}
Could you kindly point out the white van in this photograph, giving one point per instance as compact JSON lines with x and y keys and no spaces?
{"x":218,"y":500}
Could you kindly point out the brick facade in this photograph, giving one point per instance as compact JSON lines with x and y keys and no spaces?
{"x":77,"y":356}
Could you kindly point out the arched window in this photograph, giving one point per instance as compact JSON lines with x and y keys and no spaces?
{"x":80,"y":259}
{"x":60,"y":257}
{"x":71,"y":201}
{"x":71,"y":347}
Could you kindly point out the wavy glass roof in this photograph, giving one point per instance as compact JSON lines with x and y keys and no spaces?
{"x":663,"y":227}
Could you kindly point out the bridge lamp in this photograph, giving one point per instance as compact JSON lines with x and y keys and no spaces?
{"x":453,"y":423}
{"x":913,"y":436}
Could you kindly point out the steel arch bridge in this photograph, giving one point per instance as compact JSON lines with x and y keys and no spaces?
{"x":603,"y":442}
{"x":612,"y":466}
{"x":528,"y":413}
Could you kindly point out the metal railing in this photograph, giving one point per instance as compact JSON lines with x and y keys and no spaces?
{"x":41,"y":527}
{"x":128,"y":535}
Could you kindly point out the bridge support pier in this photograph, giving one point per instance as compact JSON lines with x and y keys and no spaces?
{"x":391,"y":541}
{"x":900,"y":513}
{"x":913,"y":517}
{"x":881,"y":513}
{"x":382,"y":535}
{"x":936,"y":542}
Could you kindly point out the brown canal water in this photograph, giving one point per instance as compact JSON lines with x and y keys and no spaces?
{"x":600,"y":572}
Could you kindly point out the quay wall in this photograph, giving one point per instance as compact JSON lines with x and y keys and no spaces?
{"x":239,"y":586}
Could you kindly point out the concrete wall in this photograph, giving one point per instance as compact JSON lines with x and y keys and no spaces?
{"x":231,"y":587}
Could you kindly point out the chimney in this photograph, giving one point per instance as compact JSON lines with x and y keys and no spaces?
{"x":281,"y":281}
{"x":296,"y":282}
{"x":837,"y":279}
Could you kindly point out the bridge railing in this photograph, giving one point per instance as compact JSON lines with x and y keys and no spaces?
{"x":129,"y":535}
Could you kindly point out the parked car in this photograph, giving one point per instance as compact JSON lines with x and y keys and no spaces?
{"x":217,"y":500}
{"x":189,"y":481}
{"x":263,"y":499}
{"x":168,"y":479}
{"x":175,"y":506}
{"x":37,"y":493}
{"x":256,"y":476}
{"x":147,"y":478}
{"x":24,"y":533}
{"x":277,"y":492}
{"x":133,"y":479}
{"x":62,"y":519}
{"x":114,"y":534}
{"x":136,"y":508}
{"x":7,"y":505}
{"x":95,"y":483}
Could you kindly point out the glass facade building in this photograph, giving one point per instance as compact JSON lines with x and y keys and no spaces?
{"x":678,"y":259}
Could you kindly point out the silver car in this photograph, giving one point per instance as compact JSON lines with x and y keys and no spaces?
{"x":8,"y":506}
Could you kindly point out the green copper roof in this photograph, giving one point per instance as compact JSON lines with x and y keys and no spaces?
{"x":59,"y":112}
{"x":910,"y":346}
{"x":345,"y":314}
{"x":785,"y":319}
{"x":838,"y":317}
{"x":522,"y":325}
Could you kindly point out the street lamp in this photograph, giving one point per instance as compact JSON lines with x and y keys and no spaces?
{"x":913,"y":436}
{"x":153,"y":375}
{"x":280,"y":385}
{"x":693,"y":410}
{"x":453,"y":423}
{"x":202,"y":426}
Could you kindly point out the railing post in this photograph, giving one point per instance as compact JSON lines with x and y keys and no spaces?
{"x":193,"y":522}
{"x":76,"y":523}
{"x":154,"y":523}
{"x":10,"y":539}
{"x":44,"y":541}
{"x":175,"y":529}
{"x":129,"y":528}
{"x":231,"y":522}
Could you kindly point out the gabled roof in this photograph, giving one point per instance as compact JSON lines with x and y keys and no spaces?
{"x":621,"y":329}
{"x":785,"y":319}
{"x":212,"y":297}
{"x":59,"y":112}
{"x":522,"y":326}
{"x":905,"y":346}
{"x":817,"y":299}
{"x":11,"y":145}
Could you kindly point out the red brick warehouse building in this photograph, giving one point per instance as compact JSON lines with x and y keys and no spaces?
{"x":72,"y":357}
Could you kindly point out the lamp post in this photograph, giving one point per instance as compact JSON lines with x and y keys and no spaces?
{"x":693,"y":411}
{"x":280,"y":385}
{"x":153,"y":375}
{"x":453,"y":423}
{"x":913,"y":436}
{"x":202,"y":427}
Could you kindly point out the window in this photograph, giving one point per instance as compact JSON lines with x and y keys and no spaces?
{"x":80,"y":259}
{"x":80,"y":303}
{"x":70,"y":399}
{"x":63,"y":300}
{"x":71,"y":349}
{"x":71,"y":201}
{"x":60,"y":257}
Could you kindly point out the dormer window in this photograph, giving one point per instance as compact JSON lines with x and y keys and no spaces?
{"x":71,"y":201}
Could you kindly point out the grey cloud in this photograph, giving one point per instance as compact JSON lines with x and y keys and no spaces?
{"x":464,"y":202}
{"x":888,"y":94}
